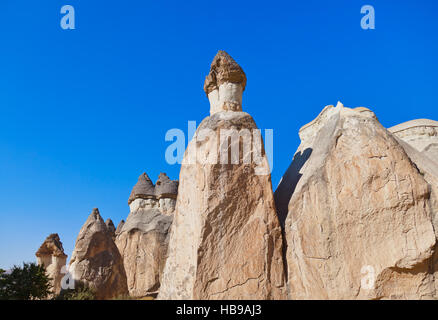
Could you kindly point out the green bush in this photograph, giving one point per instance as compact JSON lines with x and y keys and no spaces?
{"x":80,"y":292}
{"x":29,"y":282}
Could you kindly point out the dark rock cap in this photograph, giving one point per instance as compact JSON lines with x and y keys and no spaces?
{"x":51,"y":246}
{"x":143,"y":189}
{"x":224,"y":69}
{"x":166,"y":187}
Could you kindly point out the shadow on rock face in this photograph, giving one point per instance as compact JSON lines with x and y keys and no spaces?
{"x":288,"y":183}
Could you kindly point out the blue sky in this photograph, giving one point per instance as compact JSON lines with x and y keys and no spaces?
{"x":83,"y":112}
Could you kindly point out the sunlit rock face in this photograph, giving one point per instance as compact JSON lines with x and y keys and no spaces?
{"x":96,"y":261}
{"x":51,"y":255}
{"x":143,"y":239}
{"x":357,"y":213}
{"x":225,"y":240}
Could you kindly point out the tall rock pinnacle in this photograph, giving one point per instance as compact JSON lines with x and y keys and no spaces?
{"x":51,"y":255}
{"x":96,"y":261}
{"x":224,"y":84}
{"x":225,"y":240}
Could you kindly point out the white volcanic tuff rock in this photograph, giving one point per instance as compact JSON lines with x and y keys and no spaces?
{"x":422,"y":134}
{"x":51,"y":255}
{"x":353,"y":202}
{"x":143,"y":238}
{"x":96,"y":261}
{"x":225,"y":240}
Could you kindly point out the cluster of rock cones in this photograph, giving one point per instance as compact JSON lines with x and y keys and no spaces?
{"x":355,"y":216}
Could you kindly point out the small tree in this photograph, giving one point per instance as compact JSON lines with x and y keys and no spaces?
{"x":26,"y":283}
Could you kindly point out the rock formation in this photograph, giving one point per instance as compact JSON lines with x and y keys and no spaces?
{"x":119,"y":227}
{"x":51,"y":255}
{"x":111,"y":228}
{"x":225,"y":84}
{"x":356,"y":212}
{"x":422,"y":134}
{"x":225,"y":240}
{"x":96,"y":261}
{"x":419,"y":139}
{"x":143,"y":238}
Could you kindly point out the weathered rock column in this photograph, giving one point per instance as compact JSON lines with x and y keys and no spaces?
{"x":51,"y":255}
{"x":225,"y":240}
{"x":143,"y":239}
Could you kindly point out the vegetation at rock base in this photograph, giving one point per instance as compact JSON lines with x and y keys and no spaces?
{"x":29,"y":282}
{"x":80,"y":292}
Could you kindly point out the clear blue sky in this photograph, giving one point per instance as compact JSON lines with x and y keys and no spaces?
{"x":83,"y":112}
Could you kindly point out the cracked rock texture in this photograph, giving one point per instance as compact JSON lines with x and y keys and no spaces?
{"x":225,"y":240}
{"x":96,"y":261}
{"x":51,"y":255}
{"x":143,"y":239}
{"x":357,"y":213}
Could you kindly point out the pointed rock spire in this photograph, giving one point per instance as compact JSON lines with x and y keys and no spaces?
{"x":110,"y":226}
{"x":96,"y":261}
{"x":120,"y":226}
{"x":51,"y":255}
{"x":143,"y":189}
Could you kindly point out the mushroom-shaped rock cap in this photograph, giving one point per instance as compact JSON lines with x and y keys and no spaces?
{"x":224,"y":69}
{"x":51,"y":246}
{"x":166,"y":187}
{"x":143,"y":189}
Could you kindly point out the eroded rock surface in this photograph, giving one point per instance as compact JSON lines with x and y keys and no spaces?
{"x":225,"y":240}
{"x":96,"y":261}
{"x":356,"y":212}
{"x":143,"y":239}
{"x":51,"y":255}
